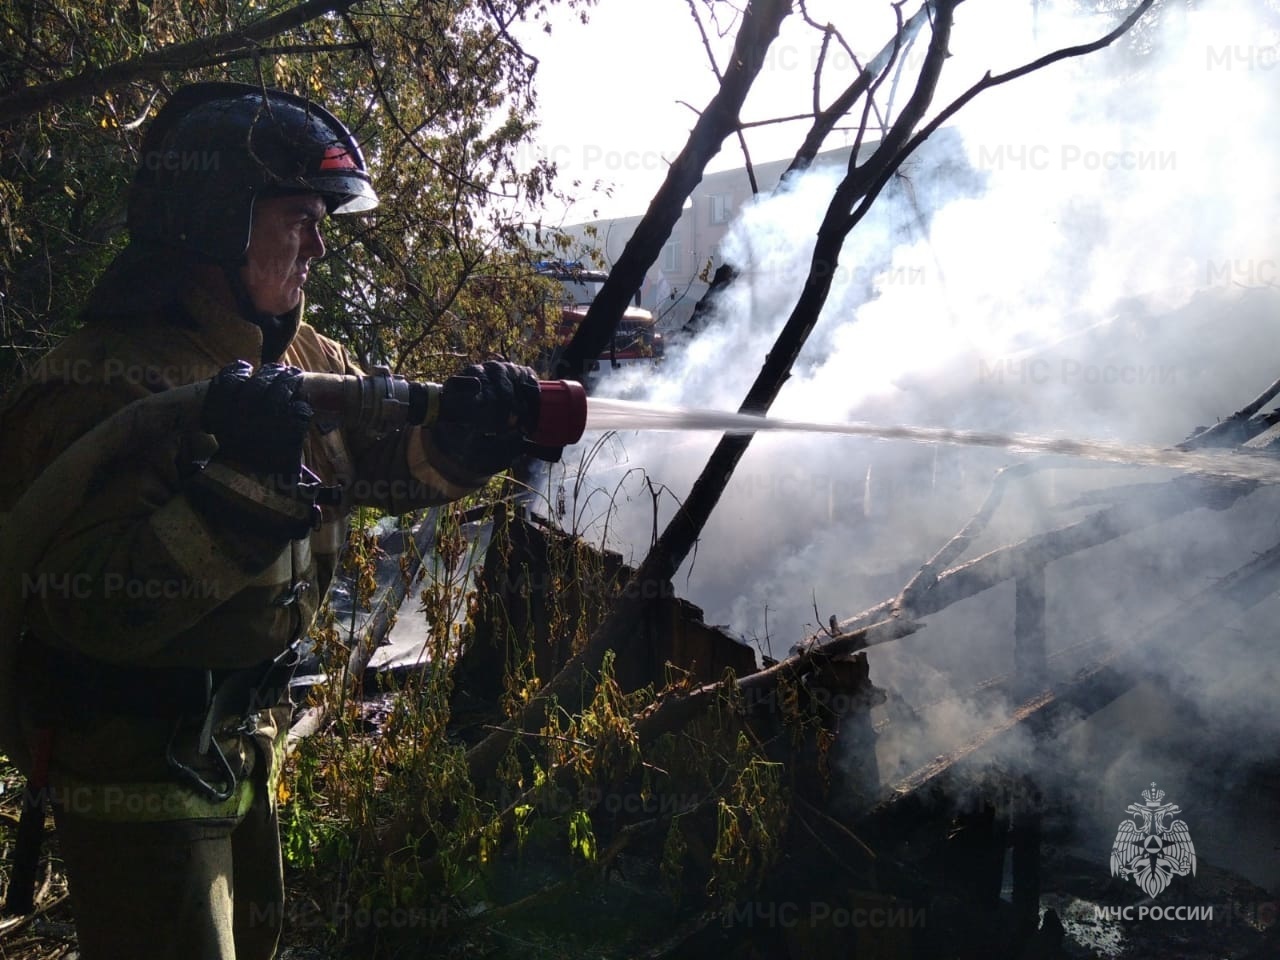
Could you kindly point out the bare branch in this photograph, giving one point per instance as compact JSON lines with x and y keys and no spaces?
{"x":989,"y":81}
{"x":829,"y":32}
{"x":825,"y":122}
{"x":748,"y":124}
{"x":875,"y":85}
{"x":715,"y":68}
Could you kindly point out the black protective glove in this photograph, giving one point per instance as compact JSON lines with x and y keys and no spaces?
{"x":258,"y":420}
{"x":483,"y":427}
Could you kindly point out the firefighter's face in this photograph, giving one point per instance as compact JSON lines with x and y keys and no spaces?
{"x":284,"y":241}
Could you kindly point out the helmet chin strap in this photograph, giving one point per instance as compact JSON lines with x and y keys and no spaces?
{"x":275,"y":332}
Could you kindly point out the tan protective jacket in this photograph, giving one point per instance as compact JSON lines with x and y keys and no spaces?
{"x":167,"y":564}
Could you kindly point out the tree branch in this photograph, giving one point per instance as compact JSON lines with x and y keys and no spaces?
{"x":989,"y":81}
{"x":180,"y":56}
{"x":715,"y":69}
{"x":825,"y":122}
{"x":760,"y":26}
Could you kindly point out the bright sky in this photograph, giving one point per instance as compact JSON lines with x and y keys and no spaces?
{"x":614,"y":92}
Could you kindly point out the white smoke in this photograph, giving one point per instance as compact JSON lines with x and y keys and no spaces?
{"x":1109,"y":204}
{"x":1116,"y":278}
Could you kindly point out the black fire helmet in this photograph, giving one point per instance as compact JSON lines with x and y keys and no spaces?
{"x":215,"y":148}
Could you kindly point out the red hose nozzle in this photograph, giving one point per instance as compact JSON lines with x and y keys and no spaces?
{"x":385,"y":402}
{"x":562,"y":413}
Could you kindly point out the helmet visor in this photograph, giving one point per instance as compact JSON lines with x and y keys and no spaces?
{"x":345,"y":194}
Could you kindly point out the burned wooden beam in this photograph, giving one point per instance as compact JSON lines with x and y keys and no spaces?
{"x":926,"y":577}
{"x":1012,"y":560}
{"x":1112,"y":675}
{"x":1030,"y":666}
{"x":1234,"y":429}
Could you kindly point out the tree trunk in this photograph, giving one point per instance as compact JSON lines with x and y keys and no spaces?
{"x":760,"y":25}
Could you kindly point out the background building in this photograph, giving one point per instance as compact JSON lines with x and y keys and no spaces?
{"x":674,"y":284}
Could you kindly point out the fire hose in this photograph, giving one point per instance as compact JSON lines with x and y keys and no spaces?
{"x":380,"y":401}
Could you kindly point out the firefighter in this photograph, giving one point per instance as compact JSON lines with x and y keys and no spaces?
{"x":162,"y":623}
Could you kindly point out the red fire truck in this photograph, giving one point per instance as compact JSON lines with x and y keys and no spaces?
{"x":637,"y":336}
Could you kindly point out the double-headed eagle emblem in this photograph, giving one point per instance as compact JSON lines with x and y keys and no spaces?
{"x":1149,"y":852}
